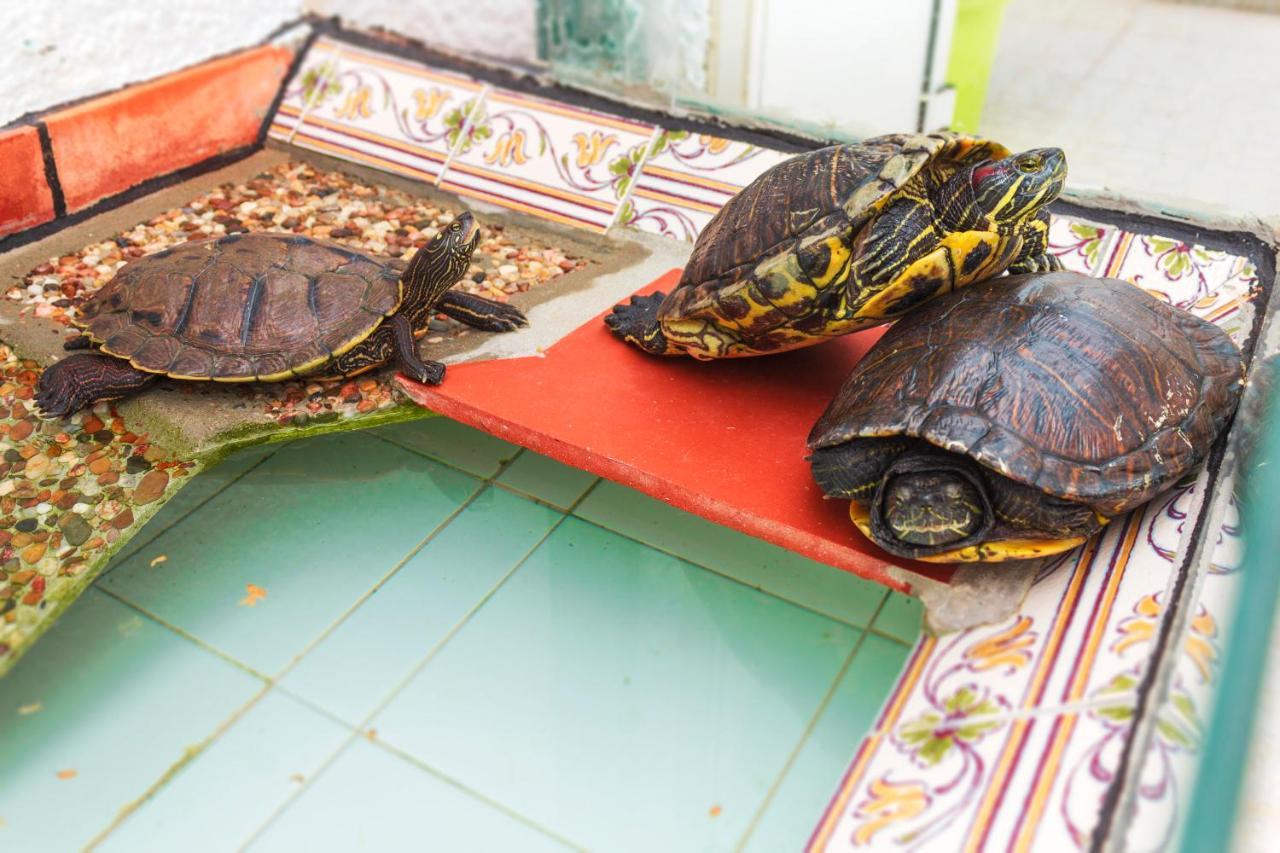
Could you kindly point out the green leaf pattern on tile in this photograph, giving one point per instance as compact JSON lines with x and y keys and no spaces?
{"x":931,"y":735}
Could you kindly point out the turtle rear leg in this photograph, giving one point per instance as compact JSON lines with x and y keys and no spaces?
{"x":80,"y":380}
{"x":77,"y":343}
{"x":637,"y":323}
{"x":481,"y":313}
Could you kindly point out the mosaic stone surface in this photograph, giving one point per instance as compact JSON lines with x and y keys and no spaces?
{"x":73,"y":491}
{"x":70,"y":493}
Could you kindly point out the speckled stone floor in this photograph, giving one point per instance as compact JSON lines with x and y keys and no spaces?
{"x":422,"y":632}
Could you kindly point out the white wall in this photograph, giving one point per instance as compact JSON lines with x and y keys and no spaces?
{"x":501,"y":29}
{"x":52,"y":52}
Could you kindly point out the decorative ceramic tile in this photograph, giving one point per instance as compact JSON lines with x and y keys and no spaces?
{"x":1211,"y":283}
{"x":552,"y":160}
{"x":1173,"y":756}
{"x":376,"y":109}
{"x":688,"y":177}
{"x":1081,"y":245}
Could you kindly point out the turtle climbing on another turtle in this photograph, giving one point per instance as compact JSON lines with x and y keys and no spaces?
{"x":266,"y":307}
{"x":1014,"y":418}
{"x":848,"y":237}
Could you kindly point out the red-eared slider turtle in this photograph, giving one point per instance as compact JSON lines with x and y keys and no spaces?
{"x":848,"y":237}
{"x":262,"y":308}
{"x":1015,"y":417}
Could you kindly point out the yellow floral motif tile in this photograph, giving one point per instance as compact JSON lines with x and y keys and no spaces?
{"x":378,"y":110}
{"x":555,"y":161}
{"x":688,"y":177}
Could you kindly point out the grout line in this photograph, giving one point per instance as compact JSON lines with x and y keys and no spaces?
{"x":379,"y":583}
{"x":1081,"y":706}
{"x":189,"y":637}
{"x":190,"y":754}
{"x":449,"y":780}
{"x":481,"y":104}
{"x":740,"y":581}
{"x":809,"y":728}
{"x":409,"y":677}
{"x":317,"y":94}
{"x":138,"y":543}
{"x":636,"y":175}
{"x":502,"y":464}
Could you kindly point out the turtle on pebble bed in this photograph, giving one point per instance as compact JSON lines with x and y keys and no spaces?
{"x":266,"y":307}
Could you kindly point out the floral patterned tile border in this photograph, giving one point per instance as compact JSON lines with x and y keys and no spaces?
{"x":563,"y":163}
{"x":378,"y":110}
{"x":552,"y":160}
{"x":687,"y":178}
{"x":1013,"y":733}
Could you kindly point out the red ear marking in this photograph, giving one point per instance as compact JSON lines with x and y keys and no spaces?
{"x":986,"y":170}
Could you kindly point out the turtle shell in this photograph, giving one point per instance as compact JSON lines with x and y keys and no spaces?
{"x":241,"y":308}
{"x":1088,"y":389}
{"x":784,"y":202}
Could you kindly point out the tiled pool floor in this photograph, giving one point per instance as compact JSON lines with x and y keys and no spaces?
{"x":423,"y":637}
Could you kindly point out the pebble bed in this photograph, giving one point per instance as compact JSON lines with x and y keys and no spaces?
{"x":301,"y":199}
{"x":69,"y":491}
{"x":72,"y":491}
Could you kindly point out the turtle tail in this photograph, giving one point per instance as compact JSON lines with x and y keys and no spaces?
{"x":637,"y":323}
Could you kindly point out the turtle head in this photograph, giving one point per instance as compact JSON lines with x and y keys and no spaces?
{"x":1016,"y":188}
{"x":443,"y":261}
{"x":930,"y":501}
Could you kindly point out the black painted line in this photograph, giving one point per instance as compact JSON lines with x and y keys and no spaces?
{"x":51,"y":171}
{"x":123,"y":197}
{"x":251,"y":305}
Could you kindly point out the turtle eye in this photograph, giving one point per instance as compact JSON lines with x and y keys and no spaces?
{"x":1028,"y":165}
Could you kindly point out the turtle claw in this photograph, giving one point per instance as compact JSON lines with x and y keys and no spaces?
{"x":429,"y":373}
{"x":636,"y":322}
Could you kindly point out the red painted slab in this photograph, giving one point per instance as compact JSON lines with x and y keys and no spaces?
{"x":724,"y":440}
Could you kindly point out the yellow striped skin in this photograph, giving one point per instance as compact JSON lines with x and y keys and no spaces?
{"x":995,"y":551}
{"x":890,"y":247}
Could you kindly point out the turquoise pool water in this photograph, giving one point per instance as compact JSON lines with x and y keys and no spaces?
{"x":423,"y":636}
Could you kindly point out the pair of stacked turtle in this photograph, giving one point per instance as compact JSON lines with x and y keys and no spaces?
{"x":1003,"y":417}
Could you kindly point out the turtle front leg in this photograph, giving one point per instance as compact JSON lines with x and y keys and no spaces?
{"x":78,"y":342}
{"x":406,"y":350}
{"x":1035,"y":256}
{"x":481,"y":313}
{"x":81,"y":380}
{"x":393,"y":339}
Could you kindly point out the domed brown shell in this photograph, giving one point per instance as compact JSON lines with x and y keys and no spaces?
{"x":780,"y":205}
{"x":242,"y":307}
{"x":1088,"y":389}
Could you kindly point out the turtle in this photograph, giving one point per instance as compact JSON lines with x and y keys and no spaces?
{"x":265,"y":307}
{"x":847,"y":237}
{"x":1014,"y":418}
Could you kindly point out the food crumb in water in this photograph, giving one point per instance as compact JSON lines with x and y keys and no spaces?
{"x":158,"y":560}
{"x":68,"y":774}
{"x":715,"y":810}
{"x":253,"y":594}
{"x":32,"y":708}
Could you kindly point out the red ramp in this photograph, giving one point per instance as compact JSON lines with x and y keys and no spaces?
{"x":724,"y":440}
